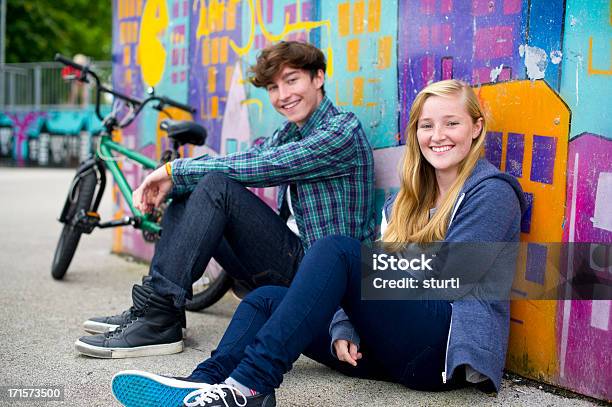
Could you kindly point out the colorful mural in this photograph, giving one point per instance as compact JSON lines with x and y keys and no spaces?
{"x":584,"y":328}
{"x":542,"y":69}
{"x":58,"y":138}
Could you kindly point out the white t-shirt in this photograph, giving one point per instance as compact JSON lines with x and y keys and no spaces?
{"x":291,"y":223}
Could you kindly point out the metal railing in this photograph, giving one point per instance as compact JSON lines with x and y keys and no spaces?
{"x":40,"y":85}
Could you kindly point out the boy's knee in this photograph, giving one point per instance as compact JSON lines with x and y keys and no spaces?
{"x":214,"y":179}
{"x":335,"y":243}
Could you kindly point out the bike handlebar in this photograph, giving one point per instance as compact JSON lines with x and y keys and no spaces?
{"x":178,"y":105}
{"x":135,"y":105}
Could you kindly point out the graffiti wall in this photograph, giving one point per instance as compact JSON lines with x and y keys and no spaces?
{"x":542,"y":70}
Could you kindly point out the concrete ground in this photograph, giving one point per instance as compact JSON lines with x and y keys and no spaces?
{"x":41,"y":318}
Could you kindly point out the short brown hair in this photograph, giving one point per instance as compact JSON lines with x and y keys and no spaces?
{"x":294,"y":54}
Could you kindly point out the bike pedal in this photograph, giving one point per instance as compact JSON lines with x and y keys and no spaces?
{"x":86,"y":222}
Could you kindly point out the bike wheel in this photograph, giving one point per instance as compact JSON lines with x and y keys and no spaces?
{"x":210,"y":288}
{"x":80,"y":198}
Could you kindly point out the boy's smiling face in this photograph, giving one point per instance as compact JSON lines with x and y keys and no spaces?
{"x":295,"y":94}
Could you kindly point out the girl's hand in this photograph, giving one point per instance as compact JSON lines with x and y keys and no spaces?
{"x":346,"y":351}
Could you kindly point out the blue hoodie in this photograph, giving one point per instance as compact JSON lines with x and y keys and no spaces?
{"x":488,"y":209}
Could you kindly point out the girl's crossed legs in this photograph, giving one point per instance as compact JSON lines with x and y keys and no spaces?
{"x":401,"y":341}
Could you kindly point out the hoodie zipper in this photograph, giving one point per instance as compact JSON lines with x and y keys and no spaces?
{"x":450,"y":327}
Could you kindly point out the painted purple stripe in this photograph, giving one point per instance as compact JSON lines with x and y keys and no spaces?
{"x":517,"y":321}
{"x":519,"y":292}
{"x":514,"y":155}
{"x":543,"y":162}
{"x":526,"y":219}
{"x":493,"y":148}
{"x":536,"y":263}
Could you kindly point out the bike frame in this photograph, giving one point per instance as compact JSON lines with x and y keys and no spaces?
{"x":104,"y":154}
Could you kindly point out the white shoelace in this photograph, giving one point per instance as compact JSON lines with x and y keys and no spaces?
{"x":214,"y":392}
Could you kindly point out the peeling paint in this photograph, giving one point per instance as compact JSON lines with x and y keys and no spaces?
{"x":536,"y":61}
{"x":495,"y":72}
{"x":573,"y":21}
{"x":556,"y":56}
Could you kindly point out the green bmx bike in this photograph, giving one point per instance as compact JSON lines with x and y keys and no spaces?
{"x":80,"y":212}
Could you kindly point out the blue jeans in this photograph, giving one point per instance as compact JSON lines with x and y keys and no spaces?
{"x":401,"y":341}
{"x":221,"y":219}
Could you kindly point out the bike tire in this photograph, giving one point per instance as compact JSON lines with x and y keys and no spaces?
{"x":70,"y":236}
{"x":212,"y":293}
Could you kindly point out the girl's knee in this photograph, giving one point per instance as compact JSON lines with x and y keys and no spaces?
{"x":266,"y":297}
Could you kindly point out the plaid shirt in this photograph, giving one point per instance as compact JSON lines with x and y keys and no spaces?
{"x":329,"y":160}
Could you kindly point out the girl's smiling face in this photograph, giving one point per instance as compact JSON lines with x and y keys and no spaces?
{"x":445,"y":131}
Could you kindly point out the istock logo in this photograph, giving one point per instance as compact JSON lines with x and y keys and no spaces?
{"x":384,"y":262}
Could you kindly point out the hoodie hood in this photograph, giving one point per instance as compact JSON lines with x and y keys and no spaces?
{"x":485,"y":170}
{"x":482,"y":171}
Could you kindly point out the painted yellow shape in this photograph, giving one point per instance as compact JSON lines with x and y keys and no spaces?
{"x":352,"y":55}
{"x":330,"y":61}
{"x":126,"y":55}
{"x":344,"y":18}
{"x":230,"y":15}
{"x":533,"y":108}
{"x":340,"y":102}
{"x":593,"y":71}
{"x":118,"y":235}
{"x":229,"y":71}
{"x":211,"y":17}
{"x":298,"y":10}
{"x":216,"y":16}
{"x":255,"y":102}
{"x":374,"y":16}
{"x":385,"y":48}
{"x":288,"y":28}
{"x":205,"y":51}
{"x":224,"y":48}
{"x":358,"y":85}
{"x":214,"y":107}
{"x":127,"y":35}
{"x":212,"y":79}
{"x":241,"y":51}
{"x":214,"y":50}
{"x":358,"y":17}
{"x":151,"y":50}
{"x":134,"y":32}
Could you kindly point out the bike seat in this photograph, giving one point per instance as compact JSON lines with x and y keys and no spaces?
{"x":184,"y":132}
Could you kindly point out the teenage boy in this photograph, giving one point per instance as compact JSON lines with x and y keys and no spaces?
{"x":320,"y":159}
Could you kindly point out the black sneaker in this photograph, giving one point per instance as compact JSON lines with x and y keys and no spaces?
{"x":153,"y":329}
{"x":134,"y":388}
{"x":100,"y":325}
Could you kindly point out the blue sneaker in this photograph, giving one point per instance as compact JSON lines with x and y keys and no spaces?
{"x":135,"y":388}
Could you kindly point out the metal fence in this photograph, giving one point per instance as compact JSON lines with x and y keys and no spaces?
{"x":41,"y":85}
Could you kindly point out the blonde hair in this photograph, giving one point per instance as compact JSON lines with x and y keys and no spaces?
{"x":410,"y":221}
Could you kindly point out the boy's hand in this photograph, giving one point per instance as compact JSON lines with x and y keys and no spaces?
{"x":153,"y":190}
